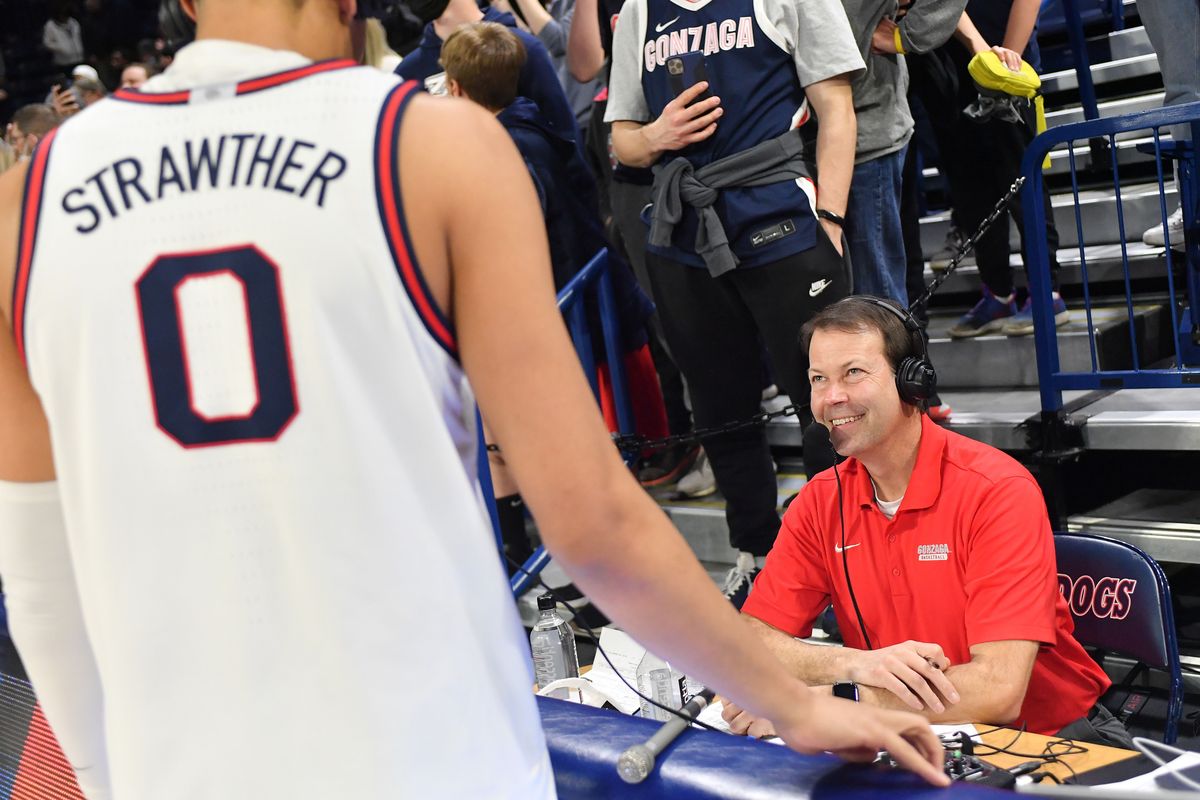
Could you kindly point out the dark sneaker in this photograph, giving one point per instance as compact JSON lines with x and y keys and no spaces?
{"x":668,"y":466}
{"x":987,"y":316}
{"x":1021,"y":323}
{"x":739,"y":580}
{"x":940,"y":261}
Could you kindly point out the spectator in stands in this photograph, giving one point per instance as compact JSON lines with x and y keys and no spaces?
{"x":28,"y":126}
{"x":625,"y":191}
{"x":737,"y":256}
{"x":981,"y":157}
{"x":551,"y":23}
{"x":1174,"y":30}
{"x":958,"y":612}
{"x":90,"y":91}
{"x":134,"y":75}
{"x":483,"y":63}
{"x":885,"y":125}
{"x":62,"y":35}
{"x":538,"y":80}
{"x":375,"y":50}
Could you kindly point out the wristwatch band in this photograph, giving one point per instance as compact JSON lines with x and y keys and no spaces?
{"x":847,"y":690}
{"x":825,"y":213}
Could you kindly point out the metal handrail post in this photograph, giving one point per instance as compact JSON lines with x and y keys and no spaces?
{"x":1037,"y":262}
{"x":1083,"y":66}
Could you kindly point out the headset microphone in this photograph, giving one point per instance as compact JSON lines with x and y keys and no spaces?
{"x":820,"y":438}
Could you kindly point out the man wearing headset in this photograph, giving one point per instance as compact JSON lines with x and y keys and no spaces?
{"x":934,"y":549}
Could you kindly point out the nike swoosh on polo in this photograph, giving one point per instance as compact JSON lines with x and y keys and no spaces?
{"x":837,"y":549}
{"x":818,"y":287}
{"x":665,"y":25}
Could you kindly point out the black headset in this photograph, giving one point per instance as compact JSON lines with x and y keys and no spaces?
{"x":916,"y":380}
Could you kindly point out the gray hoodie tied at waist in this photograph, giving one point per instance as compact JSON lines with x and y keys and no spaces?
{"x":678,"y":182}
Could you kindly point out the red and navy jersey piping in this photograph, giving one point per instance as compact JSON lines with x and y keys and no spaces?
{"x":243,"y":87}
{"x":395,"y":227}
{"x":31,"y":212}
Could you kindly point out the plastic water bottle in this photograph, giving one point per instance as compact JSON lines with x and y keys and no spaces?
{"x":657,"y":680}
{"x":553,"y":645}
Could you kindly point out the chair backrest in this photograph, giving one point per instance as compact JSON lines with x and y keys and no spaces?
{"x":1119,"y":598}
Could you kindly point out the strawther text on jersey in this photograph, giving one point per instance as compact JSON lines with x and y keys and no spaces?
{"x":229,"y":161}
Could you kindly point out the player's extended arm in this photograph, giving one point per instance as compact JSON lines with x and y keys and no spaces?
{"x":478,"y":230}
{"x":44,"y":615}
{"x":991,"y":685}
{"x":833,"y":103}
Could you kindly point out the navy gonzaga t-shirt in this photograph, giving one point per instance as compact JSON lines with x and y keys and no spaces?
{"x":758,"y":56}
{"x":537,"y":81}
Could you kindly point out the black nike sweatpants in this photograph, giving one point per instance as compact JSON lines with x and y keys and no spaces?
{"x":716,"y":329}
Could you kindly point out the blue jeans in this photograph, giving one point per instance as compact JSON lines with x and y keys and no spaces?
{"x":873,"y":227}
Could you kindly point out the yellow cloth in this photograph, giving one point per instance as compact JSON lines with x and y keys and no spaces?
{"x":991,"y":75}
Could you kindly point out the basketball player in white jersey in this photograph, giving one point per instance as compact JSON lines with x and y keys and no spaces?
{"x":239,"y":528}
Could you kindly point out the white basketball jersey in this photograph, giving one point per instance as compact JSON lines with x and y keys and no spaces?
{"x":265,"y":447}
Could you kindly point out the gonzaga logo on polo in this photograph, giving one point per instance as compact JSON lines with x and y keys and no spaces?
{"x":933,"y":552}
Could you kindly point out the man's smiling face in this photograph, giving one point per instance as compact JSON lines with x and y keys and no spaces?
{"x":854,"y":389}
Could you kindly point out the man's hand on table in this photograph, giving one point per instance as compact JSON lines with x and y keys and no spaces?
{"x":913,"y":671}
{"x":853,"y":732}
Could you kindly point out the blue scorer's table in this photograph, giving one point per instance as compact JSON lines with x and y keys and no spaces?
{"x":585,"y":743}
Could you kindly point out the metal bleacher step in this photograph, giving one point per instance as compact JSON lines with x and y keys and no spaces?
{"x":1140,"y":207}
{"x":1119,"y":69}
{"x":1108,"y":108}
{"x":1005,"y":362}
{"x":1163,"y":522}
{"x":1104,"y":264}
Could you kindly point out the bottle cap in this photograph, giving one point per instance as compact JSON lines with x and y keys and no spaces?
{"x":546,"y":602}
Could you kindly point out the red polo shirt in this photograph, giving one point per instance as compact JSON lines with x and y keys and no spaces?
{"x":968,"y":558}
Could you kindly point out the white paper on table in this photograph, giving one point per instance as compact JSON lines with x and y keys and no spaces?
{"x":950,"y":730}
{"x":1149,"y":782}
{"x":626,"y":654}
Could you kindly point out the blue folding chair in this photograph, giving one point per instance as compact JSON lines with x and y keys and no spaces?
{"x":1121,"y":603}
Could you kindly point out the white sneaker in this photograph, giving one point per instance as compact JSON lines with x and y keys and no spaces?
{"x":940,"y":261}
{"x":1155,"y":237}
{"x":739,"y":580}
{"x":699,"y":482}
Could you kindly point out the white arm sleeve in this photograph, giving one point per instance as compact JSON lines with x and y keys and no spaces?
{"x":46,"y":623}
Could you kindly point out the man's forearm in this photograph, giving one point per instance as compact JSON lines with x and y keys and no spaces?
{"x":814,"y":664}
{"x":536,"y":15}
{"x":984,"y":697}
{"x":585,"y":52}
{"x":635,"y":144}
{"x":1022,"y":18}
{"x":835,"y":160}
{"x":969,"y":35}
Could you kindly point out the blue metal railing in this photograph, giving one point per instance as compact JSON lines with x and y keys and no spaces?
{"x":594,"y":277}
{"x":1185,"y":369}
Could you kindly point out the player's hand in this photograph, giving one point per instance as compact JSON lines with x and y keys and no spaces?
{"x":883,"y":40}
{"x":64,"y":102}
{"x":857,"y":733}
{"x":742,"y":722}
{"x":684,"y":122}
{"x":910,"y":670}
{"x":1009,"y":58}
